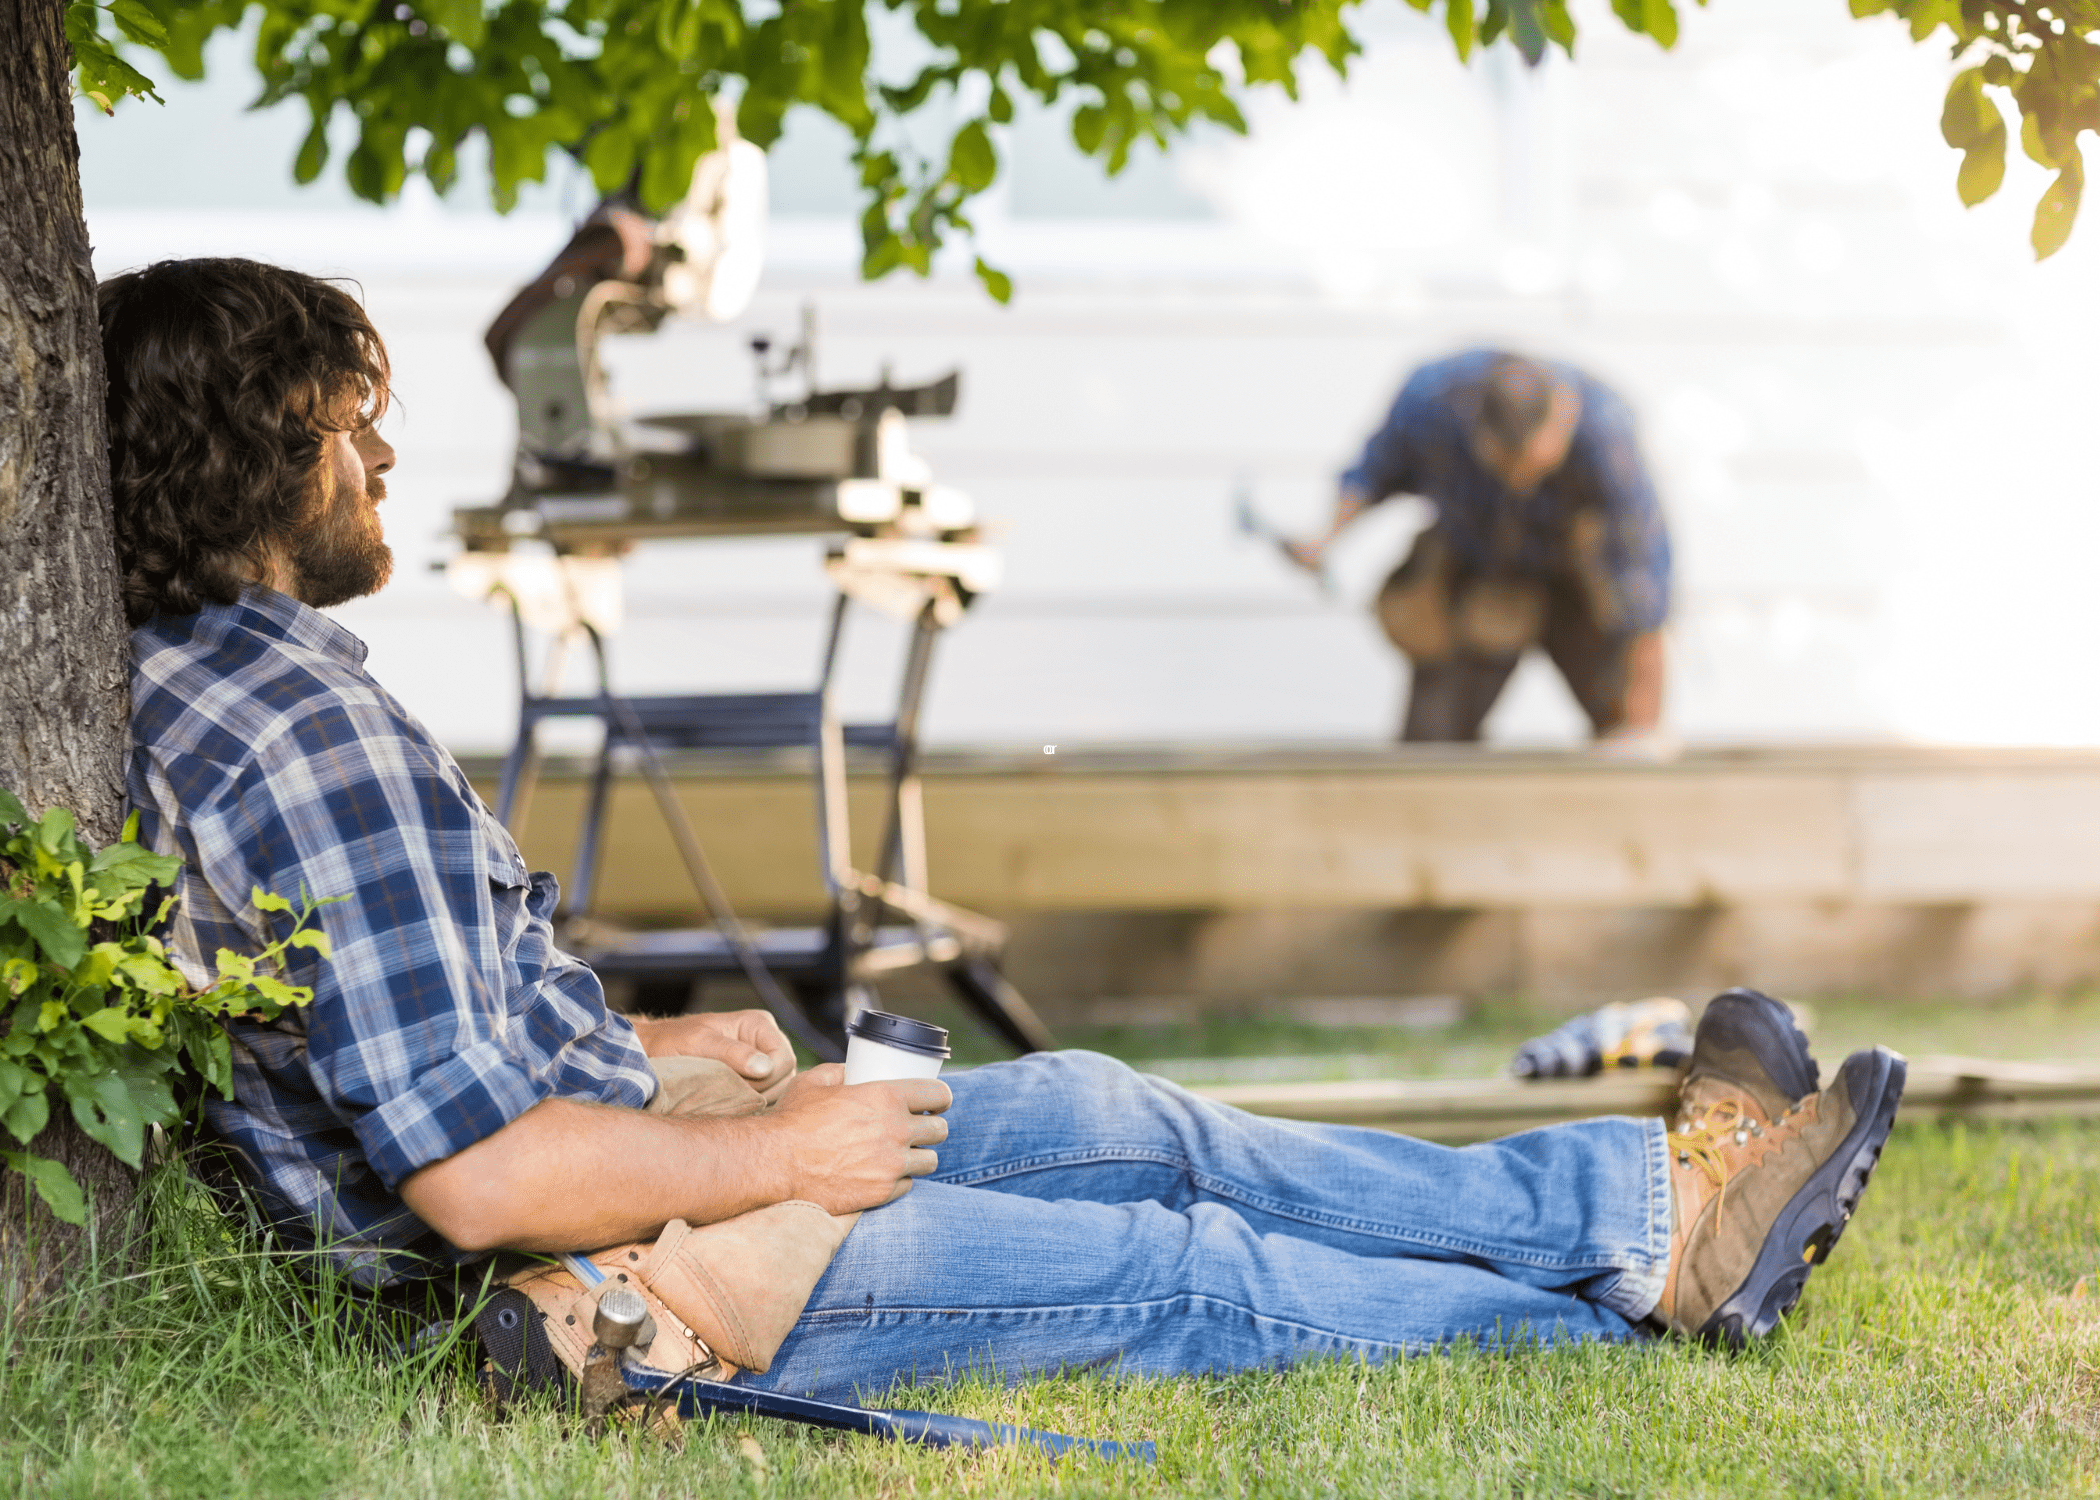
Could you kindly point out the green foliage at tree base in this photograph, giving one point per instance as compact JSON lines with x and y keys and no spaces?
{"x":101,"y":1023}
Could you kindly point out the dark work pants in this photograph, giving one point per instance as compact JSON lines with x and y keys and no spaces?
{"x":1449,"y":700}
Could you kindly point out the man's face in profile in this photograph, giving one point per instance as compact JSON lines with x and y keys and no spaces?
{"x":341,"y":553}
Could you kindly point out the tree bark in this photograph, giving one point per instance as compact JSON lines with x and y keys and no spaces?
{"x":64,"y":693}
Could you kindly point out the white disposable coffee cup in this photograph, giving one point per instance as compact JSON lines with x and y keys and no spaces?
{"x":880,"y":1046}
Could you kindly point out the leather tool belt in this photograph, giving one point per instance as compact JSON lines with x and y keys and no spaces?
{"x":1431,"y":612}
{"x":724,"y":1295}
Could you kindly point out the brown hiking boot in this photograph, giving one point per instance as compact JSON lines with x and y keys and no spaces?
{"x":1748,"y":1052}
{"x":1755,"y":1204}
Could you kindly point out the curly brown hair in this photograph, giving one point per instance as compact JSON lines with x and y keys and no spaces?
{"x":225,"y":379}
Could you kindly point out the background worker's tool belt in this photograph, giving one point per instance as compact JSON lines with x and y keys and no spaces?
{"x":1430,"y":613}
{"x":723,"y":1294}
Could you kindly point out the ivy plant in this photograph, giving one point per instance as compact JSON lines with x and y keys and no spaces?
{"x":101,"y":1022}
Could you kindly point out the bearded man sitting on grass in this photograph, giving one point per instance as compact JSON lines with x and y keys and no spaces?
{"x":459,"y":1087}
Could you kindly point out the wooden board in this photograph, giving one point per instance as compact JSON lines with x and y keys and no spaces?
{"x":1458,"y":1110}
{"x":1252,"y":830}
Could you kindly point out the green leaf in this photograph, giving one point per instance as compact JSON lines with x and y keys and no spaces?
{"x":138,"y":23}
{"x":111,"y":1023}
{"x":1972,"y":123}
{"x":998,"y":283}
{"x":277,"y":992}
{"x":133,"y":865}
{"x":100,"y":966}
{"x":145,"y":1074}
{"x":100,"y":75}
{"x":52,"y":929}
{"x":610,"y":156}
{"x":149,"y":974}
{"x":2035,"y":143}
{"x":1926,"y":15}
{"x":12,"y":813}
{"x":54,"y":829}
{"x":971,"y":160}
{"x":1659,"y":20}
{"x":2058,"y":210}
{"x":1089,"y":127}
{"x":1982,"y":170}
{"x":313,"y":152}
{"x":1526,"y":31}
{"x":462,"y":20}
{"x":1458,"y":20}
{"x":210,"y":1052}
{"x":53,"y":1183}
{"x":267,"y":901}
{"x":27,"y":1116}
{"x":311,"y":937}
{"x":104,"y":1108}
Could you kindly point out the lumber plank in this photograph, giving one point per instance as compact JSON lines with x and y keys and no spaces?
{"x":1458,"y":1110}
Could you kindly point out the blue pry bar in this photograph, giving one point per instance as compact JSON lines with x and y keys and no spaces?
{"x":698,"y":1398}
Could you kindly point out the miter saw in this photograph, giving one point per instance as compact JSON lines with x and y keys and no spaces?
{"x":586,"y":476}
{"x":587,"y":483}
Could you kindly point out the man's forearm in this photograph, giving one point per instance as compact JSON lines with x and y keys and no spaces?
{"x":566,"y":1175}
{"x":1640,"y":707}
{"x":1348,"y":505}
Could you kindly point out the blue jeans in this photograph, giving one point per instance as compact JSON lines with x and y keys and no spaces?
{"x":1088,"y":1216}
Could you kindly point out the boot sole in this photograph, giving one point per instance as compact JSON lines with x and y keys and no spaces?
{"x":1804,"y":1232}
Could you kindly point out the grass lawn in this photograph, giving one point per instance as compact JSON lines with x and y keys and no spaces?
{"x":1951,"y":1345}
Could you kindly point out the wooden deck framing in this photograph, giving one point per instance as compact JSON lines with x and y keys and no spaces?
{"x":1461,"y":1110}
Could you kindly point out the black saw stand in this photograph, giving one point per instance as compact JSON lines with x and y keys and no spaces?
{"x":878,"y":922}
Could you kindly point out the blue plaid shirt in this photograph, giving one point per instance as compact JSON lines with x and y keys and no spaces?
{"x":1426,"y":448}
{"x":263,"y":755}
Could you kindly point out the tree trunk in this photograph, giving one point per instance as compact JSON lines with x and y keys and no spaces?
{"x":64,"y":697}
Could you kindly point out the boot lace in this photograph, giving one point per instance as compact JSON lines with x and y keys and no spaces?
{"x":1700,"y":1144}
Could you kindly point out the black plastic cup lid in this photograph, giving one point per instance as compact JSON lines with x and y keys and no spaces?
{"x":901,"y":1032}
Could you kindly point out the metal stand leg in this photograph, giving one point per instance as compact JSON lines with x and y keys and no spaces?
{"x":992,"y":998}
{"x":850,"y":926}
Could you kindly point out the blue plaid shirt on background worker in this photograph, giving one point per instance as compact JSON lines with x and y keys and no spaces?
{"x":1425,"y":448}
{"x":264,"y":756}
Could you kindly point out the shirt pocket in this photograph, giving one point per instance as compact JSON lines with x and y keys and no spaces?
{"x":506,"y":871}
{"x":505,"y":865}
{"x":510,"y":887}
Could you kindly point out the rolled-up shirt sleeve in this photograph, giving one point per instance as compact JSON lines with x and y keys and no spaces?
{"x":408,"y":1039}
{"x":1390,"y":462}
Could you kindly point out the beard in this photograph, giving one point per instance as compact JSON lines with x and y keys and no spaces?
{"x":342,"y":554}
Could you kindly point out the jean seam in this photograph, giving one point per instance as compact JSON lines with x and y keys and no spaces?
{"x":1639,"y":1290}
{"x":1185,"y":1302}
{"x":1232,"y":1192}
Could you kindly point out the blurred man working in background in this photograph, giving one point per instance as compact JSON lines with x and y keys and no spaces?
{"x":1547,"y":533}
